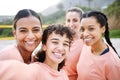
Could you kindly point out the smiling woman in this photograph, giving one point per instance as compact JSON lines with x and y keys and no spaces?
{"x":27,"y":30}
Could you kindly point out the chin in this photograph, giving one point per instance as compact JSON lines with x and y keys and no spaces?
{"x":88,"y":44}
{"x":30,"y":49}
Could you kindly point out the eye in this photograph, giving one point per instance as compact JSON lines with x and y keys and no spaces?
{"x":66,"y":44}
{"x":54,"y":42}
{"x":22,"y":30}
{"x":68,"y":20}
{"x":75,"y":20}
{"x":91,"y":29}
{"x":81,"y":29}
{"x":36,"y":29}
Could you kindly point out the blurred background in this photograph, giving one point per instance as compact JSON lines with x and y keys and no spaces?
{"x":55,"y":13}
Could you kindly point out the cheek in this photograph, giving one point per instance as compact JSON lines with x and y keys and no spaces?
{"x":38,"y":35}
{"x":67,"y":50}
{"x":98,"y":33}
{"x":20,"y":36}
{"x":49,"y":47}
{"x":81,"y":35}
{"x":67,"y":23}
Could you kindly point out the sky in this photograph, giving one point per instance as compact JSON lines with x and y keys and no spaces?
{"x":11,"y":7}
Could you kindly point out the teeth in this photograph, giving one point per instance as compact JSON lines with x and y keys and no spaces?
{"x":87,"y":39}
{"x":30,"y":42}
{"x":58,"y":54}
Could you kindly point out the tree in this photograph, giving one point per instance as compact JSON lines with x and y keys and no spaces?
{"x":89,"y":5}
{"x":60,"y":6}
{"x":113,"y":13}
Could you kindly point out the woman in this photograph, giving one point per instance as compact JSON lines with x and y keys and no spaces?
{"x":98,"y":60}
{"x":56,"y":41}
{"x":27,"y":30}
{"x":73,"y":17}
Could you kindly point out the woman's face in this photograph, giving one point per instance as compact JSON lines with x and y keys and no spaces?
{"x":28,"y":33}
{"x":56,"y":48}
{"x":73,"y":21}
{"x":91,"y":32}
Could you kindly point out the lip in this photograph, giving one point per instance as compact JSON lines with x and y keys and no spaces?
{"x":58,"y":55}
{"x":30,"y":43}
{"x":87,"y":40}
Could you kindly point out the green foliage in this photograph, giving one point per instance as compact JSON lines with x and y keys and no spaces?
{"x":60,"y":6}
{"x":113,"y":14}
{"x":6,"y":32}
{"x":113,"y":9}
{"x":54,"y":18}
{"x":115,"y":33}
{"x":6,"y":22}
{"x":85,"y":9}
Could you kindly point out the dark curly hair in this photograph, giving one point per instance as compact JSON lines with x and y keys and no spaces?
{"x":57,"y":29}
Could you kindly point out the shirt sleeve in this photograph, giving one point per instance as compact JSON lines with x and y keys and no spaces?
{"x":113,"y":69}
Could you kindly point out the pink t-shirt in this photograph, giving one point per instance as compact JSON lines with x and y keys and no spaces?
{"x":15,"y":70}
{"x":92,"y":67}
{"x":72,"y":59}
{"x":11,"y":52}
{"x":47,"y":73}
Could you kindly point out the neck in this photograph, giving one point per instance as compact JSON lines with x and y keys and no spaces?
{"x":99,"y":47}
{"x":52,"y":65}
{"x":76,"y":36}
{"x":25,"y":55}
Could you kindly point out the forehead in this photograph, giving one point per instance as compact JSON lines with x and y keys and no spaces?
{"x":29,"y":19}
{"x":72,"y":15}
{"x":88,"y":20}
{"x":58,"y":36}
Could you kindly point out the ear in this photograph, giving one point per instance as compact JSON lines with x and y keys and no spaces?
{"x":14,"y":32}
{"x":103,"y":29}
{"x":44,"y":47}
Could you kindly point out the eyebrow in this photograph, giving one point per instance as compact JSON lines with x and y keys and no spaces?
{"x":38,"y":27}
{"x":58,"y":39}
{"x":21,"y":28}
{"x":54,"y":39}
{"x":91,"y":26}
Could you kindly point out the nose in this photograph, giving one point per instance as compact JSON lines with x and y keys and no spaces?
{"x":30,"y":35}
{"x":60,"y":47}
{"x":71,"y":24}
{"x":84,"y":34}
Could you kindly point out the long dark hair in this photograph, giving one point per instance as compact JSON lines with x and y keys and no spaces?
{"x":102,"y":20}
{"x":57,"y":29}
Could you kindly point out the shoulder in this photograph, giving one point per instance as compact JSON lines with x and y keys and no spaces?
{"x":113,"y":57}
{"x":112,"y":66}
{"x":16,"y":70}
{"x":38,"y":66}
{"x":78,"y":42}
{"x":10,"y":52}
{"x":8,"y":49}
{"x":11,"y":63}
{"x":110,"y":60}
{"x":9,"y":66}
{"x":64,"y":73}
